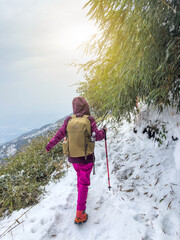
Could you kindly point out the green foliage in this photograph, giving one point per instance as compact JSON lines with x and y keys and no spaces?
{"x":23,"y":176}
{"x":137,"y":54}
{"x":162,"y":134}
{"x":157,"y":131}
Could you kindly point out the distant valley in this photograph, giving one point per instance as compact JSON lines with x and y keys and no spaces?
{"x":11,"y":147}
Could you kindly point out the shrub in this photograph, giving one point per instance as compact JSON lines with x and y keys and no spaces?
{"x":23,"y":175}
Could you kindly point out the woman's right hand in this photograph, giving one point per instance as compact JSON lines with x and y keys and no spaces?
{"x":105,"y":128}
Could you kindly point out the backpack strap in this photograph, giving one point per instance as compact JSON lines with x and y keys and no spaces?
{"x":85,"y":116}
{"x":86,"y":145}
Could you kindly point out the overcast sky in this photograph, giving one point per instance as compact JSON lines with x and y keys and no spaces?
{"x":38,"y":38}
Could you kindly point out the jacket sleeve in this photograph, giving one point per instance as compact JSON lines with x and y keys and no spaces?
{"x":99,"y":134}
{"x":61,"y":133}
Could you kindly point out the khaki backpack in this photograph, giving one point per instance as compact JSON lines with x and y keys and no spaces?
{"x":78,"y":142}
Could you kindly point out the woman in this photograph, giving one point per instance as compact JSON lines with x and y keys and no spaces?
{"x":82,"y":163}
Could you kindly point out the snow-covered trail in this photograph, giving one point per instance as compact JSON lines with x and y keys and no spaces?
{"x":143,"y":203}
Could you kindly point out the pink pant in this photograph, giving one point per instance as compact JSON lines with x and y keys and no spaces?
{"x":83,"y":181}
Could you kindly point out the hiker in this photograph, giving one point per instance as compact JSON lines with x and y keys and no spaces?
{"x":81,"y":132}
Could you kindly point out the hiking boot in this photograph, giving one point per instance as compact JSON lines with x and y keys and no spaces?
{"x":81,"y":217}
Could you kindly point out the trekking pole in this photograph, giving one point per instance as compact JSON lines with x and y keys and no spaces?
{"x":107,"y":157}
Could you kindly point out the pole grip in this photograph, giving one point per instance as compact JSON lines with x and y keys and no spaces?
{"x":105,"y":131}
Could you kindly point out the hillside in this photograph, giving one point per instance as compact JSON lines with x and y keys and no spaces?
{"x":143,"y":203}
{"x":11,"y":147}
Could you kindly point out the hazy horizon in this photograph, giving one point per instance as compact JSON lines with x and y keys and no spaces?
{"x":14,"y":133}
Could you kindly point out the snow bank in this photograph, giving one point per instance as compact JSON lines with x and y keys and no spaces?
{"x":177,"y":155}
{"x":142,"y":205}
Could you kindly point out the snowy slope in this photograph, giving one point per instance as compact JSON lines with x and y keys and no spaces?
{"x":144,"y":203}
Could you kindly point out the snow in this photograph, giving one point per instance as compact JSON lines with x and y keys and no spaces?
{"x":142,"y":204}
{"x":11,"y":150}
{"x":177,"y":155}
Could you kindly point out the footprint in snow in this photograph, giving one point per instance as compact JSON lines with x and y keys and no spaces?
{"x":52,"y":231}
{"x":52,"y":208}
{"x":139,"y":218}
{"x":167,"y":226}
{"x":32,"y":220}
{"x":125,"y":174}
{"x":34,"y":229}
{"x":143,"y":219}
{"x":147,"y":237}
{"x":102,"y":155}
{"x":42,"y":222}
{"x":70,"y":198}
